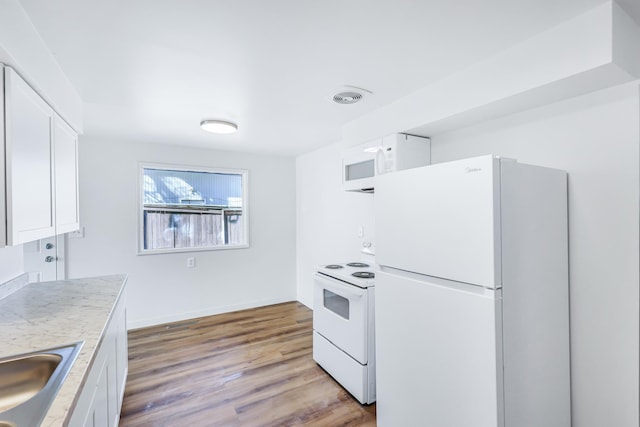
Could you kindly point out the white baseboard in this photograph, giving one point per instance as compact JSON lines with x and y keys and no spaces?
{"x":143,"y":323}
{"x":308,"y":304}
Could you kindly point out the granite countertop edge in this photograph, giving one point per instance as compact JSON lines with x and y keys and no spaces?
{"x":44,"y":315}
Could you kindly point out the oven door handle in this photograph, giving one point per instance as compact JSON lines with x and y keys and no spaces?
{"x":341,"y":289}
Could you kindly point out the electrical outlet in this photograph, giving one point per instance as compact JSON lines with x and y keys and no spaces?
{"x":191,"y":262}
{"x":78,"y":234}
{"x":361,"y":231}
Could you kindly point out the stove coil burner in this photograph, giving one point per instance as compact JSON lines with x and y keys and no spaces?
{"x":358,"y":264}
{"x":364,"y":274}
{"x":333,"y":267}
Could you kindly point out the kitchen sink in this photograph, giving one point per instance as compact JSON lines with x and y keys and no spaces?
{"x":23,"y":377}
{"x":30,"y":382}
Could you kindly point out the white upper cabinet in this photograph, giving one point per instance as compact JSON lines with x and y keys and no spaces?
{"x":29,"y":168}
{"x":41,"y":167}
{"x":3,"y":207}
{"x":66,"y":177}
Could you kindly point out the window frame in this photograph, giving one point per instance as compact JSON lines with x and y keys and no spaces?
{"x":244,"y":173}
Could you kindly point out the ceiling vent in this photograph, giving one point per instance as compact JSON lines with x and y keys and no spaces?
{"x":346,"y":95}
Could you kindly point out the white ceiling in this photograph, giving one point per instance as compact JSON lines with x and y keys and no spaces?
{"x":150,"y":70}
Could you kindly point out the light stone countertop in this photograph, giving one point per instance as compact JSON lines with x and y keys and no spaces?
{"x":52,"y":314}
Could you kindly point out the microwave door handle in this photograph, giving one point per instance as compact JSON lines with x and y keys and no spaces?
{"x":380,"y":162}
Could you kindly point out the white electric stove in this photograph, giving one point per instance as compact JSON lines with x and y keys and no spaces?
{"x":344,"y":328}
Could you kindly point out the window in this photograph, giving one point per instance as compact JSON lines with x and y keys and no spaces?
{"x":187,"y":209}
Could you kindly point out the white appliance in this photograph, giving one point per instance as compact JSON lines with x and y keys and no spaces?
{"x":343,"y":323}
{"x":394,"y":152}
{"x":472,"y":321}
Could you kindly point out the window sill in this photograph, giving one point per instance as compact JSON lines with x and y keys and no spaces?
{"x":183,"y":250}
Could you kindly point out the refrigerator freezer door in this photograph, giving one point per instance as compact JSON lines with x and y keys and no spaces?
{"x":442,"y":220}
{"x":438,"y":353}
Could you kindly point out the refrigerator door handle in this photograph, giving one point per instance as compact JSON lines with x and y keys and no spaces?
{"x":451,"y":284}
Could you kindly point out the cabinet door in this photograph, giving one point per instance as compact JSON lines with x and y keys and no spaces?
{"x":90,"y":409}
{"x":28,"y":162}
{"x":122,"y":350}
{"x":3,"y":209}
{"x":100,"y":405}
{"x":100,"y":399}
{"x":65,"y":145}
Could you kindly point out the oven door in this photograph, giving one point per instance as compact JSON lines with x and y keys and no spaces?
{"x":340,"y":315}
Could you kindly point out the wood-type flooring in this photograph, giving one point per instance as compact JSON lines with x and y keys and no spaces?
{"x":247,"y":368}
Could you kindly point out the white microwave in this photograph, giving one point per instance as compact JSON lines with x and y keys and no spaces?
{"x":362,"y":163}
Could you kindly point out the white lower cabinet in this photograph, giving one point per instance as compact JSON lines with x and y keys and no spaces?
{"x":122,"y":357}
{"x":100,"y":400}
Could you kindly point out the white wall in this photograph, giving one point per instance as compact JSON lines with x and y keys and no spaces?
{"x":161,"y":287}
{"x":328,"y":217}
{"x":595,"y":138}
{"x":11,"y":263}
{"x":22,"y":47}
{"x":593,"y":50}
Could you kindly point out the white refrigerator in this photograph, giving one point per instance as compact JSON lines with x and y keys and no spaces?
{"x":472,"y":299}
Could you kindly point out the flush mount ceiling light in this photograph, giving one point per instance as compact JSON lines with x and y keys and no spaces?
{"x":218,"y":126}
